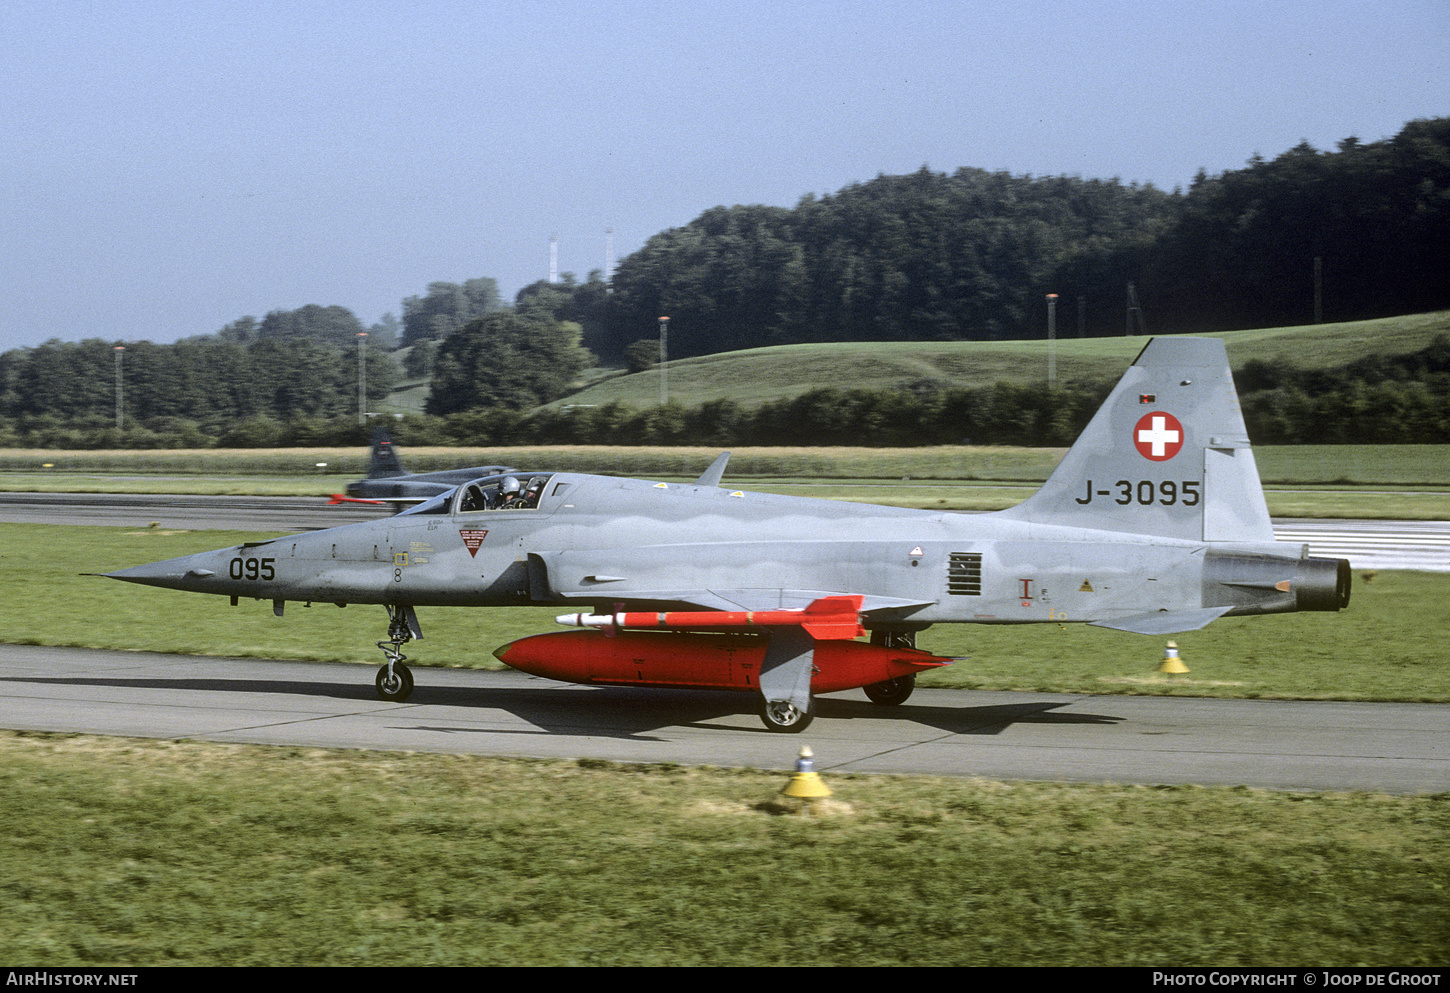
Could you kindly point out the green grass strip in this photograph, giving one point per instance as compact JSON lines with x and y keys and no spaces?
{"x":143,"y":853}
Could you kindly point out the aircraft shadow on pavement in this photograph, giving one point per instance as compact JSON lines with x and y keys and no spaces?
{"x":339,"y":691}
{"x":624,"y":712}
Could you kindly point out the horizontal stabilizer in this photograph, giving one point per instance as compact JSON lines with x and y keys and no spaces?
{"x":1165,"y":621}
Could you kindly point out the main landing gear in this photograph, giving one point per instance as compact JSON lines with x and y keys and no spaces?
{"x":890,"y":692}
{"x":793,"y":714}
{"x":784,"y":716}
{"x":395,"y":680}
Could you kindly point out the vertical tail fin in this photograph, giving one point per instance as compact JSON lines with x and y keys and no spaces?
{"x":384,"y":462}
{"x":1167,"y":454}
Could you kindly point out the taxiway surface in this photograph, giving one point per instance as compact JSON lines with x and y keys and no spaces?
{"x":1272,"y":744}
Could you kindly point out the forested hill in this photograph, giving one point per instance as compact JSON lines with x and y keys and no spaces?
{"x":926,"y":256}
{"x":971,"y":255}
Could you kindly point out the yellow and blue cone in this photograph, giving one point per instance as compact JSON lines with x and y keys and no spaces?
{"x":805,"y":784}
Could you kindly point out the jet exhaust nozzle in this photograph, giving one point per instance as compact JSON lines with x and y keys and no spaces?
{"x":1254,"y":583}
{"x":1323,"y":584}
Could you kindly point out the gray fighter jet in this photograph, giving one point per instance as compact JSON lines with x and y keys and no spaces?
{"x":388,"y":482}
{"x":1154,"y":522}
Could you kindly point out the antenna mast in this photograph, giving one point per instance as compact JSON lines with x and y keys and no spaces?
{"x":1135,"y":311}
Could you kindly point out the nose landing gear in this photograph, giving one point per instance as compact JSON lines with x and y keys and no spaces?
{"x":395,"y":680}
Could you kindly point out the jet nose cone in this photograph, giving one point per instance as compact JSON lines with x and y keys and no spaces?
{"x":178,"y":574}
{"x":156,"y":574}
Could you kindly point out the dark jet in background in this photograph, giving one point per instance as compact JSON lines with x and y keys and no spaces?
{"x":388,"y":482}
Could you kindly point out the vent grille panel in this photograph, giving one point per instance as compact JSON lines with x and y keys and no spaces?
{"x":964,"y":574}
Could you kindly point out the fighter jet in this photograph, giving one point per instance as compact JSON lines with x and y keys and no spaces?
{"x":1154,"y":522}
{"x":388,"y":482}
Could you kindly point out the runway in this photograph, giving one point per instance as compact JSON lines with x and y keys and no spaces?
{"x":182,"y":510}
{"x":1280,"y":745}
{"x":1421,"y":545}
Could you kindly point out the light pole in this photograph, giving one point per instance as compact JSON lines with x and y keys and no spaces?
{"x":119,"y":386}
{"x":1318,"y":289}
{"x":1051,"y":340}
{"x":362,"y":379}
{"x":664,"y":361}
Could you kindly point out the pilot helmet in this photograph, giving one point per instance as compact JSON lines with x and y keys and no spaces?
{"x":509,"y":486}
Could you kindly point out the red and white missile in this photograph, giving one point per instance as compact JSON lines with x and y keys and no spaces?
{"x":832,"y":618}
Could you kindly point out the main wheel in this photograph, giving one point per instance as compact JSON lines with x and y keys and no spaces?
{"x":399,"y":687}
{"x":782,"y":715}
{"x":890,"y":692}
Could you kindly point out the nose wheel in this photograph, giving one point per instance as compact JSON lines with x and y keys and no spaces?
{"x":786,"y":717}
{"x":395,"y":680}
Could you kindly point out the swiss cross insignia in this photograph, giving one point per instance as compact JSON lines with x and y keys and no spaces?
{"x":1158,"y":436}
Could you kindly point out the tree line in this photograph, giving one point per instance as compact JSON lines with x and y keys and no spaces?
{"x":1387,"y":399}
{"x":192,"y":394}
{"x":1402,"y":399}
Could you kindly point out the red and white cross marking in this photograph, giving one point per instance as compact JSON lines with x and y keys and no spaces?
{"x":1158,"y":436}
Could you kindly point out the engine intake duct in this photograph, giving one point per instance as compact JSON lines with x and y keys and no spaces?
{"x":1259,"y":583}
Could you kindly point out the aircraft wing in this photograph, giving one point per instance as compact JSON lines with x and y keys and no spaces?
{"x":751,"y":600}
{"x":800,"y":599}
{"x":719,"y":576}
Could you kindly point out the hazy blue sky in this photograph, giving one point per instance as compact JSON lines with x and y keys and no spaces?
{"x":169,"y":167}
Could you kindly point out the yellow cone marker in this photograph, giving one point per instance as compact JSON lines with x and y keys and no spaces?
{"x":1171,"y":661}
{"x":805,"y":784}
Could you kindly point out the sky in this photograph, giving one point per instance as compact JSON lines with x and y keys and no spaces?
{"x":169,"y":167}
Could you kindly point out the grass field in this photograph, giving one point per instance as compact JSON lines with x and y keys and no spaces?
{"x":1303,"y":481}
{"x":144,"y":853}
{"x":765,"y":374}
{"x":143,"y":471}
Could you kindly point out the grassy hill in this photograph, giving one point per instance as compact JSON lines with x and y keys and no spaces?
{"x":762,"y":374}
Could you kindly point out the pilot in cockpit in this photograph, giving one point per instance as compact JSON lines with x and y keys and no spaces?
{"x":534,"y":490}
{"x":507,"y":494}
{"x":510,"y":494}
